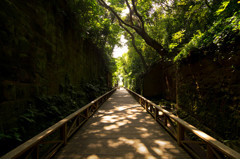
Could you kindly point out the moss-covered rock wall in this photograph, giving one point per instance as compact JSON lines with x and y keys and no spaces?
{"x":160,"y":82}
{"x":208,"y":88}
{"x":42,"y":52}
{"x":207,"y":85}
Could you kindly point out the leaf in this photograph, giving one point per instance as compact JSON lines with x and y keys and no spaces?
{"x":2,"y":136}
{"x":222,"y":7}
{"x":178,"y":36}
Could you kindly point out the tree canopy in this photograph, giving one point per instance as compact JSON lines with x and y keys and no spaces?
{"x":166,"y":30}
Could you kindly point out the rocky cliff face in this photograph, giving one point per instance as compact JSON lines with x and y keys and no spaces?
{"x":41,"y":53}
{"x":160,"y":82}
{"x":208,"y":88}
{"x":206,"y":84}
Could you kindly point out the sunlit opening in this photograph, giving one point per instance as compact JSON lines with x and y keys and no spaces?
{"x":119,"y":51}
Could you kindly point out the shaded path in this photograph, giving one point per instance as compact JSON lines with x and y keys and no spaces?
{"x":121,"y":128}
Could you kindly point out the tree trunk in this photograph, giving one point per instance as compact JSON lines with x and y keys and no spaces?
{"x":153,"y":43}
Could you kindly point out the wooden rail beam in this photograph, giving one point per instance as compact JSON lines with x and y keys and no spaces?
{"x":213,"y":146}
{"x":32,"y":145}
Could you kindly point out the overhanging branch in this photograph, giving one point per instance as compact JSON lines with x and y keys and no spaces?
{"x":140,"y":30}
{"x":138,"y":15}
{"x":130,"y":12}
{"x":134,"y":45}
{"x":103,"y":3}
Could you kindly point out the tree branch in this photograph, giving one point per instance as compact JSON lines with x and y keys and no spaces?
{"x":103,"y":3}
{"x":207,"y":4}
{"x":138,"y":15}
{"x":135,"y":47}
{"x":139,"y":30}
{"x":130,"y":12}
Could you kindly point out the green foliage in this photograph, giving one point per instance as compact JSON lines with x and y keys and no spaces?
{"x":178,"y":36}
{"x":225,"y":26}
{"x":45,"y":111}
{"x":177,"y":39}
{"x":29,"y":115}
{"x":130,"y":67}
{"x":194,"y":43}
{"x":190,"y":118}
{"x":222,"y":7}
{"x":179,"y":18}
{"x":13,"y":134}
{"x":190,"y":30}
{"x":95,"y":24}
{"x":175,"y":24}
{"x":180,"y":26}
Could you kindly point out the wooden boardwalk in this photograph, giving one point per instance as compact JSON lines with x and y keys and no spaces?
{"x":121,"y":129}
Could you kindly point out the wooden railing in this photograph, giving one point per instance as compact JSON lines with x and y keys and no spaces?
{"x":196,"y":142}
{"x":46,"y":144}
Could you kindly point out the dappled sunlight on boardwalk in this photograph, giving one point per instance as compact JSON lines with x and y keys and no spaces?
{"x":121,"y":129}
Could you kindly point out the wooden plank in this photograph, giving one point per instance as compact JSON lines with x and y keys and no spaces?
{"x":122,"y":129}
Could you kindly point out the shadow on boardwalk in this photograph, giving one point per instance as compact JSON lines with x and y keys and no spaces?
{"x":121,"y":129}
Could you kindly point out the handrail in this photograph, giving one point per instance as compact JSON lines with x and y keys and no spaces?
{"x":63,"y":130}
{"x":203,"y":147}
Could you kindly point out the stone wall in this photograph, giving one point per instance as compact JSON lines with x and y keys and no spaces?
{"x":208,"y":88}
{"x":41,"y":52}
{"x":160,"y":82}
{"x":206,"y":84}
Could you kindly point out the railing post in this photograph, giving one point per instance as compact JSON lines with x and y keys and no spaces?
{"x":87,"y":112}
{"x":156,"y":113}
{"x":90,"y":110}
{"x":210,"y":153}
{"x":180,"y":134}
{"x":97,"y":104}
{"x":35,"y":152}
{"x":151,"y":108}
{"x":165,"y":119}
{"x":146,"y":106}
{"x":64,"y":133}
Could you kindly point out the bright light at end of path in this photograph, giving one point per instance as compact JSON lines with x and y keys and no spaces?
{"x":119,"y":51}
{"x":120,"y":82}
